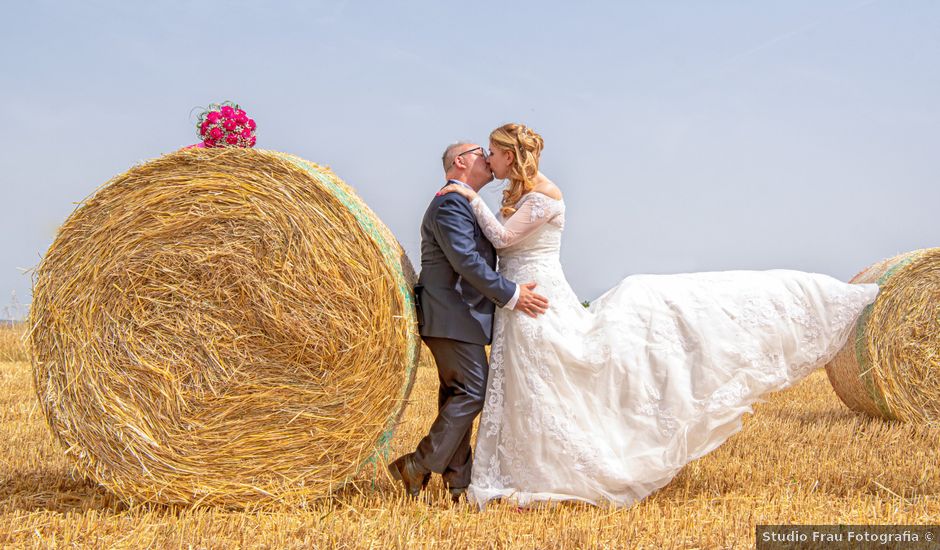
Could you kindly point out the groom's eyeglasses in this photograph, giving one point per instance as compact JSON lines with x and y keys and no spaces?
{"x":482,"y":151}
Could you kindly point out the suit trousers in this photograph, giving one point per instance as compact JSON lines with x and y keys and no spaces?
{"x":462,"y":370}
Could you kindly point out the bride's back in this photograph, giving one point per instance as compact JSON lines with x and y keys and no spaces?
{"x":547,"y":187}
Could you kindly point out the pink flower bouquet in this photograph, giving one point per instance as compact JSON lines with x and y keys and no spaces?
{"x":225,"y":125}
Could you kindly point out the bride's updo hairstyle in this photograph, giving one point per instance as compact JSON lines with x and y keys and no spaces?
{"x":526,"y":146}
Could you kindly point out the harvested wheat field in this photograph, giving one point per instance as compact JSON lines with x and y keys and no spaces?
{"x":12,"y":347}
{"x":803,"y":457}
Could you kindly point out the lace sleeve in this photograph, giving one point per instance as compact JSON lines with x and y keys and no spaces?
{"x":535,"y":211}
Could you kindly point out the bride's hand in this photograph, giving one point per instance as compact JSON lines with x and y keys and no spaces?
{"x":470,"y":194}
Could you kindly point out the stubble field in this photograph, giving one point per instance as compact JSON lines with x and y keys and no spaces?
{"x":801,"y":458}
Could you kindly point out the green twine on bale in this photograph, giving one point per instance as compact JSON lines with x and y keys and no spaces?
{"x":364,"y":216}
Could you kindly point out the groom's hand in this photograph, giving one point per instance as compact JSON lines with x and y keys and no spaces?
{"x":529,"y":302}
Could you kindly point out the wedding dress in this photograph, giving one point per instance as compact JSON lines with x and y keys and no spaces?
{"x":606,"y":404}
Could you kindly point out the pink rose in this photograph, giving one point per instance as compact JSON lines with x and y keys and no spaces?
{"x":228,"y":112}
{"x":239,"y":112}
{"x":216,"y":133}
{"x":251,"y":142}
{"x":208,"y":142}
{"x":204,"y":127}
{"x":229,"y":124}
{"x":231,"y":139}
{"x":241,"y":119}
{"x":213,"y":116}
{"x":246,"y":133}
{"x":251,"y":124}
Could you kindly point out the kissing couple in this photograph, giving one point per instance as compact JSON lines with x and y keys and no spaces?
{"x":602,"y":404}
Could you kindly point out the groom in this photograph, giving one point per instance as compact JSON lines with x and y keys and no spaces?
{"x":455,"y":295}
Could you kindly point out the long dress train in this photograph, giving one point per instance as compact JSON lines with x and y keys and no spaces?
{"x":606,"y":404}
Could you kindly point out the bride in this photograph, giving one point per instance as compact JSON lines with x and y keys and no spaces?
{"x":606,"y":404}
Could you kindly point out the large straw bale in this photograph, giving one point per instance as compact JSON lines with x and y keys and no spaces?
{"x":891,"y":368}
{"x":223,"y":326}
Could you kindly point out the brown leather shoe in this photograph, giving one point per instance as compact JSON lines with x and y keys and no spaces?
{"x":405,"y":469}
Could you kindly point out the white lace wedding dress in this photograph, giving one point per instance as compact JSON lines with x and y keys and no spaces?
{"x":606,"y":404}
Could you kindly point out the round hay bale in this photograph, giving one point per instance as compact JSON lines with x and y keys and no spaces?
{"x":891,"y":369}
{"x":223,"y":326}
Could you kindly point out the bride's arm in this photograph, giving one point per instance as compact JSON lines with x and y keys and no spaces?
{"x":534,"y":212}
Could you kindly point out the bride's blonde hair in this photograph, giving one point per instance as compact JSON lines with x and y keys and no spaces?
{"x":526,"y":146}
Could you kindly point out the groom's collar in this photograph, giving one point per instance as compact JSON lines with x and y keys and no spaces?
{"x":458,"y":182}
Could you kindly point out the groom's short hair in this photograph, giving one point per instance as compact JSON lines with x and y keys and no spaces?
{"x":451,"y":152}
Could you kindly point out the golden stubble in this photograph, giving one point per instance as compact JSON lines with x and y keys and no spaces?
{"x":802,"y":457}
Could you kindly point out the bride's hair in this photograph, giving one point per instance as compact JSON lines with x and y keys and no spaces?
{"x":526,"y":146}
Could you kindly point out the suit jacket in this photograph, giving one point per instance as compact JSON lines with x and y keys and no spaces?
{"x":458,"y":288}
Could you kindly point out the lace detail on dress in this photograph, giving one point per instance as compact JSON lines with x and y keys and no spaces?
{"x":532,"y":211}
{"x":538,"y":208}
{"x":845,"y":308}
{"x":653,"y":407}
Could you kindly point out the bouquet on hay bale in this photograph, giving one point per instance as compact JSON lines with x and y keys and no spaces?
{"x":223,"y":325}
{"x":225,"y":124}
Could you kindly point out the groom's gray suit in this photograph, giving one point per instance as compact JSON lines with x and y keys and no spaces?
{"x":457,"y":292}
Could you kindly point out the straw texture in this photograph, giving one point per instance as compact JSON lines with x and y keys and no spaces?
{"x":223,"y":326}
{"x":891,"y":369}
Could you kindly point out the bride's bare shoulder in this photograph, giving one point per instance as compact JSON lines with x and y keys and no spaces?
{"x":548,"y":188}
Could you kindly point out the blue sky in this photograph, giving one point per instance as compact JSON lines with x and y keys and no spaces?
{"x":686,"y":136}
